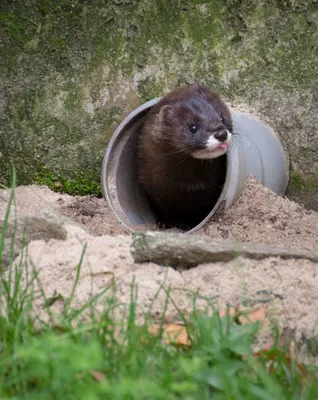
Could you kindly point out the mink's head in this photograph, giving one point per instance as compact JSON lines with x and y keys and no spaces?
{"x":195,"y":121}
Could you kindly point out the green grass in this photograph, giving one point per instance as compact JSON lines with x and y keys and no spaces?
{"x":70,"y":357}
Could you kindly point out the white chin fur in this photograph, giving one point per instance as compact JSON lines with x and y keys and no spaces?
{"x":212,"y":150}
{"x":212,"y":143}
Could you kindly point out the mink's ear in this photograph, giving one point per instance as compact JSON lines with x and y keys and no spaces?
{"x":166,"y":113}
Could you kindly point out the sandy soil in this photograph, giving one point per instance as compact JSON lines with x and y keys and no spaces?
{"x":288,"y":289}
{"x":261,"y":216}
{"x":257,"y":216}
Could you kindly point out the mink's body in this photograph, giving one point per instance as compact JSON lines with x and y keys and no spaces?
{"x":181,"y":154}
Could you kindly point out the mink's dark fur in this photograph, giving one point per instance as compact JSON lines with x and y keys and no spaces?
{"x":182,"y":189}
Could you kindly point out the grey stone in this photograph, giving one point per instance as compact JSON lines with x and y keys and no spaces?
{"x":30,"y":218}
{"x":178,"y":250}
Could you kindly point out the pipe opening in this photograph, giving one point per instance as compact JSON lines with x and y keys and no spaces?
{"x":256,"y":151}
{"x":134,"y":205}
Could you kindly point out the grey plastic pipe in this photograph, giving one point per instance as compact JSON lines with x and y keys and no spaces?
{"x":256,"y":151}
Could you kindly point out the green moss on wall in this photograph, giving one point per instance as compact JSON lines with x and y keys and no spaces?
{"x":80,"y":185}
{"x":303,"y":188}
{"x":303,"y":183}
{"x":71,"y":70}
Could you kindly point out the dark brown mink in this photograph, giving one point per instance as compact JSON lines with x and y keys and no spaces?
{"x":181,"y":159}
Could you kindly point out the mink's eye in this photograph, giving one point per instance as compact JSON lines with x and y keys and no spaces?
{"x":222,"y":119}
{"x":193,"y":128}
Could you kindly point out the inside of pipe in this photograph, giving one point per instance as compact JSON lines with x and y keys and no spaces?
{"x":131,"y":196}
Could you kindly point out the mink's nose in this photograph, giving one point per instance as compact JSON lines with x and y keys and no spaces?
{"x":221,"y":135}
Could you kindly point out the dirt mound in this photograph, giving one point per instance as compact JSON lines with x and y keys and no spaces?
{"x":257,"y":216}
{"x":261,"y":216}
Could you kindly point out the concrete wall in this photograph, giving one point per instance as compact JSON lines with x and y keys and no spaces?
{"x":70,"y":72}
